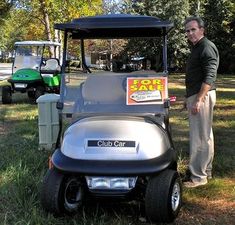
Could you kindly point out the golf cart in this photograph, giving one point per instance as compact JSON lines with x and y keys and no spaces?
{"x":118,"y":142}
{"x":33,"y":70}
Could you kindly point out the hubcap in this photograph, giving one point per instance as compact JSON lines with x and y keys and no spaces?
{"x":72,"y":194}
{"x":175,"y":197}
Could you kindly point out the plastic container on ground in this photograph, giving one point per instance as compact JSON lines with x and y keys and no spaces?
{"x":48,"y":121}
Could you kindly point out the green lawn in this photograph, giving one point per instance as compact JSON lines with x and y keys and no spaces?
{"x":22,"y":167}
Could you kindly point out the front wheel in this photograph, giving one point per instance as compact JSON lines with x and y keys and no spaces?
{"x":6,"y":94}
{"x":61,"y":193}
{"x":163,"y":197}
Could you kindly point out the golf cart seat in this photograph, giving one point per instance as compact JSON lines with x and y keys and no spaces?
{"x":51,"y":66}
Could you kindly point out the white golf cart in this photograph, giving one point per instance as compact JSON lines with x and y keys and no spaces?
{"x":118,"y":144}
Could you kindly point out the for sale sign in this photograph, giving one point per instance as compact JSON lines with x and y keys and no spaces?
{"x":146,"y":90}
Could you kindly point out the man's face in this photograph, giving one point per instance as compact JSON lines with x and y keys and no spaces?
{"x":194,"y":32}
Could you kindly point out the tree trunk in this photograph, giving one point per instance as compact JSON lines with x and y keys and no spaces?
{"x":198,"y":7}
{"x":58,"y":52}
{"x":47,"y":25}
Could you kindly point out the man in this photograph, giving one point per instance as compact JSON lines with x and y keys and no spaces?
{"x":200,"y":79}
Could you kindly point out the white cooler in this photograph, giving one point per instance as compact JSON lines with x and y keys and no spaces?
{"x":48,"y":121}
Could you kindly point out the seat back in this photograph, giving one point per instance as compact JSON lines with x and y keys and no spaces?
{"x":52,"y":65}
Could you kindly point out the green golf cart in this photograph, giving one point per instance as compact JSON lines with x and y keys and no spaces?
{"x":36,"y":69}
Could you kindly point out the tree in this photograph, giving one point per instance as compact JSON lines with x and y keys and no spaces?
{"x":11,"y":30}
{"x":34,"y":19}
{"x":175,"y":11}
{"x":197,"y":7}
{"x":218,"y":15}
{"x":112,"y":6}
{"x":5,"y":7}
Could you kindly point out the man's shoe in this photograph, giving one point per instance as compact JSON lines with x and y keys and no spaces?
{"x":209,"y":177}
{"x":191,"y":184}
{"x":209,"y":174}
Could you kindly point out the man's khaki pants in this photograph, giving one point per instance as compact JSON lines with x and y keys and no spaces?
{"x":201,"y":138}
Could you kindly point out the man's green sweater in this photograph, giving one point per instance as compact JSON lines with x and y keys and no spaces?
{"x":201,"y":67}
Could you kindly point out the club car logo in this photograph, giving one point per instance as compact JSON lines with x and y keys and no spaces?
{"x":22,"y":75}
{"x":111,"y":143}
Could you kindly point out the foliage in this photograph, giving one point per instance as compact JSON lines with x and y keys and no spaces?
{"x":12,"y":30}
{"x":174,"y":11}
{"x":112,"y":6}
{"x":197,"y":7}
{"x":34,"y":19}
{"x":5,"y":7}
{"x":218,"y":15}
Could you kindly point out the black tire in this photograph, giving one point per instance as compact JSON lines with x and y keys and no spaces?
{"x":31,"y":94}
{"x":163,"y":197}
{"x":61,"y":193}
{"x":40,"y":90}
{"x":6,"y":95}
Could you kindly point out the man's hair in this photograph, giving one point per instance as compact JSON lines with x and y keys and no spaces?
{"x":195,"y":18}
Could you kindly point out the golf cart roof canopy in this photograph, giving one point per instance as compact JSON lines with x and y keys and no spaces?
{"x":37,"y":43}
{"x":116,"y":26}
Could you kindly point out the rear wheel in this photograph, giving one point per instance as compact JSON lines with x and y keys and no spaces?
{"x":31,"y":94}
{"x":40,"y":90}
{"x":6,"y":95}
{"x":61,"y":193}
{"x":163,"y":197}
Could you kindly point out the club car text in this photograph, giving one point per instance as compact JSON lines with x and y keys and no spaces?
{"x":111,"y":143}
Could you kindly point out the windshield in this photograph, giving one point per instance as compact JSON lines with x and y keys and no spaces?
{"x":121,"y":81}
{"x":27,"y":57}
{"x":108,"y":92}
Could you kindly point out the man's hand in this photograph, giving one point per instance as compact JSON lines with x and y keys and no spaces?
{"x":196,"y":107}
{"x":201,"y":96}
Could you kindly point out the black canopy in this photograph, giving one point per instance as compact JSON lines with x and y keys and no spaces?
{"x":116,"y":26}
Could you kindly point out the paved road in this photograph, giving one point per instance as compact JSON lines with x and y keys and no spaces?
{"x":5,"y":70}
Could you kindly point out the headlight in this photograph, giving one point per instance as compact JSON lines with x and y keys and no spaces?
{"x":112,"y":183}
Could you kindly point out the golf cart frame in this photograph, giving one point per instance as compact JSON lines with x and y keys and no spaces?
{"x":119,"y":142}
{"x":32,"y":72}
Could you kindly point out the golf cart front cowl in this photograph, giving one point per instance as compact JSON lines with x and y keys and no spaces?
{"x":24,"y":79}
{"x":127,"y":138}
{"x":124,"y":145}
{"x":27,"y":74}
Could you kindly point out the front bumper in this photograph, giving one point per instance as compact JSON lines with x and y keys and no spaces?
{"x":111,"y":167}
{"x":24,"y":85}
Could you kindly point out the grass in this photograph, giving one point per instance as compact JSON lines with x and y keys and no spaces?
{"x":22,"y":167}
